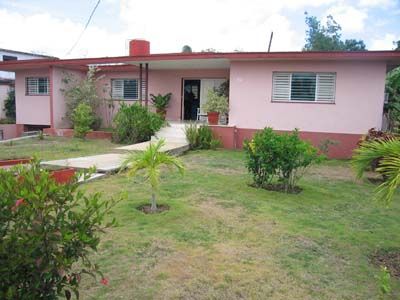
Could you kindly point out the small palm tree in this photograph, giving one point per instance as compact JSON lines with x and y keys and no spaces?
{"x":387,"y":152}
{"x":151,"y":161}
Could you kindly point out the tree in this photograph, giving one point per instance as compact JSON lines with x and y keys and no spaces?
{"x":328,"y":37}
{"x":9,"y":105}
{"x":387,"y":152}
{"x":186,"y":49}
{"x":392,"y":108}
{"x":151,"y":161}
{"x":397,"y":45}
{"x":83,"y":91}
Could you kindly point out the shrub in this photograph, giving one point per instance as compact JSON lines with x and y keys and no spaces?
{"x":7,"y":121}
{"x":283,"y":156}
{"x":135,"y":124}
{"x":200,"y":137}
{"x":82,"y":118}
{"x":47,"y":233}
{"x":216,"y":103}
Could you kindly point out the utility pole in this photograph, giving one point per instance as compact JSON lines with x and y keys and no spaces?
{"x":270,"y":41}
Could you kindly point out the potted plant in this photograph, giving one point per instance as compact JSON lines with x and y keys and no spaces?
{"x":216,"y":104}
{"x":161,"y":102}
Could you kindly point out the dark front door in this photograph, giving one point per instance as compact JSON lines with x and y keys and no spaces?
{"x":191,"y":99}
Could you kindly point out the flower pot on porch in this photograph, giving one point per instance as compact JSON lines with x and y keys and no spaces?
{"x":161,"y":112}
{"x":213,"y":117}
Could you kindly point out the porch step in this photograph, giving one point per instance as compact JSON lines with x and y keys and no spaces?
{"x":175,"y":133}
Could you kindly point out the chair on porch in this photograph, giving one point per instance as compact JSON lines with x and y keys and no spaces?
{"x":201,"y":116}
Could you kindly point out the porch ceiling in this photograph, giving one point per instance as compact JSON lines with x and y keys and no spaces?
{"x":219,"y":63}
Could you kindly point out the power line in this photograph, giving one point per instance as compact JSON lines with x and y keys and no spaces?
{"x":84,"y":29}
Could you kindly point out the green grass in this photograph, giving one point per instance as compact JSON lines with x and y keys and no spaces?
{"x":225,"y":240}
{"x":54,"y":148}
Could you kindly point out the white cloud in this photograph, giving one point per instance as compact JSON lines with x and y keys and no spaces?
{"x":376,"y":3}
{"x":222,"y":24}
{"x":385,"y":42}
{"x":42,"y":33}
{"x":351,"y":19}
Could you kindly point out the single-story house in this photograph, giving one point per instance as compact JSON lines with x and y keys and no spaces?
{"x":326,"y":95}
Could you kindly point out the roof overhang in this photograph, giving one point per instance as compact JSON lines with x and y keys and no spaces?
{"x":205,"y":60}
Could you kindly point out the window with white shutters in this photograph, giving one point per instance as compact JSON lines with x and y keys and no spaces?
{"x":124,"y":89}
{"x":37,"y":86}
{"x":304,"y":87}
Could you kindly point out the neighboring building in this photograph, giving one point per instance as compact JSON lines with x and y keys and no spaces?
{"x":7,"y":78}
{"x":327,"y":95}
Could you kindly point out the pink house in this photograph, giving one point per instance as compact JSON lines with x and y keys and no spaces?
{"x":327,"y":95}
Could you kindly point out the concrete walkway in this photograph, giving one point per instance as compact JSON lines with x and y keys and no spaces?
{"x":104,"y":163}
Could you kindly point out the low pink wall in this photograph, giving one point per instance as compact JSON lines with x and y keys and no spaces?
{"x":358,"y":105}
{"x":70,"y":133}
{"x":11,"y":131}
{"x":31,"y":110}
{"x":233,"y":138}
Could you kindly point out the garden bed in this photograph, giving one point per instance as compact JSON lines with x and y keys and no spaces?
{"x":14,"y":161}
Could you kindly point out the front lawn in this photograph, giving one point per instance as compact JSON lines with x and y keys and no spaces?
{"x":55,"y":148}
{"x":225,"y":240}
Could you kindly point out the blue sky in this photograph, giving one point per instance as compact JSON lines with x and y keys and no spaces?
{"x":52,"y":27}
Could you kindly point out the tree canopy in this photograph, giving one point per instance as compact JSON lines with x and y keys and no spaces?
{"x":328,"y":37}
{"x":186,"y":49}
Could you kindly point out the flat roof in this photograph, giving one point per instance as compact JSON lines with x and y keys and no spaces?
{"x":204,"y":59}
{"x":27,"y":53}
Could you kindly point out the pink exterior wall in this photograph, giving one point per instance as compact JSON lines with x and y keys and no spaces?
{"x":161,"y":81}
{"x":59,"y":106}
{"x":31,"y":110}
{"x":358,"y":104}
{"x":11,"y":131}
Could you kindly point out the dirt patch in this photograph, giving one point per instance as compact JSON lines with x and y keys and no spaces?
{"x":389,"y":258}
{"x":278,"y":187}
{"x":146,"y":208}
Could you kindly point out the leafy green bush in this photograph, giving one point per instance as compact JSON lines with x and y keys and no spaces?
{"x":135,"y":124}
{"x":200,"y":137}
{"x":283,"y":156}
{"x":161,"y":102}
{"x":7,"y":121}
{"x":48,"y":232}
{"x":82,"y":118}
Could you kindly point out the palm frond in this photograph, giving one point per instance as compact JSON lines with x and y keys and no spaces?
{"x":388,"y":154}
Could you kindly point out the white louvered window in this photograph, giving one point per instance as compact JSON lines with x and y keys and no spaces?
{"x":304,"y":87}
{"x":37,"y":86}
{"x":124,"y":89}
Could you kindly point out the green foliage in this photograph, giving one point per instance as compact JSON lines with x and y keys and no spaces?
{"x":216,"y":103}
{"x":286,"y":156}
{"x":387,"y":152}
{"x":187,"y":49}
{"x":40,"y":135}
{"x":48,"y":233}
{"x":328,"y":37}
{"x":384,"y":282}
{"x":151,"y":160}
{"x":396,"y":45}
{"x":223,"y":89}
{"x":79,"y":91}
{"x":135,"y":124}
{"x":82,"y":118}
{"x":200,"y":137}
{"x":9,"y":105}
{"x":161,"y":102}
{"x":392,"y":108}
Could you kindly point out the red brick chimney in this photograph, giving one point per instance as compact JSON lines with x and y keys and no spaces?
{"x":139,"y":47}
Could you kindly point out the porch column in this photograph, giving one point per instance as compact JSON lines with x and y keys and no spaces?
{"x":140,"y":84}
{"x":51,"y":96}
{"x":146,"y":85}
